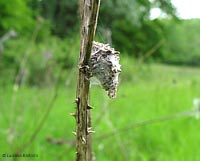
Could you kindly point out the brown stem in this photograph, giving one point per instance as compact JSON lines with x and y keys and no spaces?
{"x":89,"y":13}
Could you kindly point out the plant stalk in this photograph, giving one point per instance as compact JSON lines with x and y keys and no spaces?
{"x":89,"y":10}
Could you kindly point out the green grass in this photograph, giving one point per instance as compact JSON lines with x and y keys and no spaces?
{"x":145,"y":92}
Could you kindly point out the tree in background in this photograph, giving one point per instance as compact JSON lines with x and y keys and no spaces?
{"x":182,"y":42}
{"x":126,"y":24}
{"x":133,"y":30}
{"x":15,"y":14}
{"x":62,"y":14}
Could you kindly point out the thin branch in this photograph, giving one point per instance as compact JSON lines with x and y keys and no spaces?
{"x":190,"y":113}
{"x":65,"y":152}
{"x":20,"y":73}
{"x":24,"y":60}
{"x":145,"y":123}
{"x":151,"y":51}
{"x":44,"y":118}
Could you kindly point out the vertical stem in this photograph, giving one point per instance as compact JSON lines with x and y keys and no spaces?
{"x":89,"y":10}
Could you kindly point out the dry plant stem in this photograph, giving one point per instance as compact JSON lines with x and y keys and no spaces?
{"x":151,"y":51}
{"x":145,"y":123}
{"x":131,"y":127}
{"x":25,"y":58}
{"x":88,"y":12}
{"x":43,"y":120}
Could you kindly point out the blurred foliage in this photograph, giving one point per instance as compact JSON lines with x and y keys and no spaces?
{"x":15,"y":14}
{"x":182,"y":42}
{"x":133,"y":31}
{"x":149,"y":93}
{"x":62,"y":14}
{"x":134,"y":42}
{"x":37,"y":63}
{"x":48,"y":38}
{"x":47,"y":43}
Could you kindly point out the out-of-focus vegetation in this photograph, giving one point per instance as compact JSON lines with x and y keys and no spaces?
{"x":39,"y":48}
{"x":146,"y":92}
{"x":47,"y":35}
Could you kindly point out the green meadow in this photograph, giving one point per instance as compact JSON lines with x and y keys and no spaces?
{"x":141,"y":124}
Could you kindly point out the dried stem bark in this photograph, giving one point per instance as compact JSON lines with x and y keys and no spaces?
{"x":89,"y":10}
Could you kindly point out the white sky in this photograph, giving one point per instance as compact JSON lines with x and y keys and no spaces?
{"x":186,"y":9}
